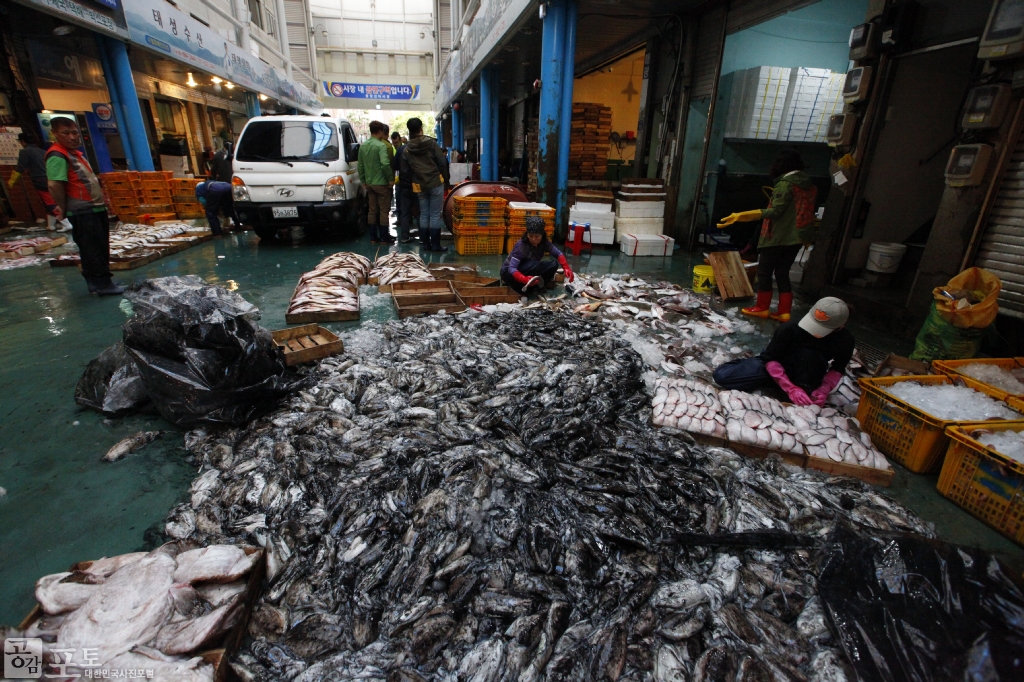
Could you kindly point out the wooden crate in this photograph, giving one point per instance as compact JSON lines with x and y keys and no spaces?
{"x":320,"y":316}
{"x":418,"y":298}
{"x":476,"y":295}
{"x":402,"y":286}
{"x":882,"y":477}
{"x":307,"y":343}
{"x":220,"y":655}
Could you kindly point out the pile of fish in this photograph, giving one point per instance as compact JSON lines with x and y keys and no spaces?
{"x":24,"y":246}
{"x":760,"y":420}
{"x":399,"y":267}
{"x":144,"y":611}
{"x":481,"y":497}
{"x":332,"y":285}
{"x":131,"y":236}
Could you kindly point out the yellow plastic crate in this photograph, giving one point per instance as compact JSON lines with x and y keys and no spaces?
{"x":984,"y":482}
{"x":908,"y":435}
{"x":480,"y":244}
{"x":952,"y":367}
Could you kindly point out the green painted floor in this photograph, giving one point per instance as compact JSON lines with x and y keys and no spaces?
{"x":64,"y":505}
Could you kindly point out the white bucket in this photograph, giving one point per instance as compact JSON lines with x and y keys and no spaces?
{"x":885,"y":257}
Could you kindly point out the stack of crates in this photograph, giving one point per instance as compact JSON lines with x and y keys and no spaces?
{"x":122,"y":191}
{"x":518,"y":212}
{"x":478,"y":224}
{"x":155,"y":201}
{"x":183,"y":194}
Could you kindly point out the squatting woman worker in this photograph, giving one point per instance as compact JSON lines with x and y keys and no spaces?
{"x":805,"y":360}
{"x":524,"y":270}
{"x":786,"y":224}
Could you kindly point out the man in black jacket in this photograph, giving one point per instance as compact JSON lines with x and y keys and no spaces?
{"x":220,"y":167}
{"x":425,"y":166}
{"x":404,"y":197}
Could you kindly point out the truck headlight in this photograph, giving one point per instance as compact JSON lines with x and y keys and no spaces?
{"x":239,"y":192}
{"x":334,"y":190}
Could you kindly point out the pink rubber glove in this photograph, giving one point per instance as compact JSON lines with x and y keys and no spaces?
{"x":795,"y":393}
{"x":828,"y":384}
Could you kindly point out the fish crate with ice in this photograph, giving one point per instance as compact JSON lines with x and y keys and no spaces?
{"x":909,"y":435}
{"x":960,"y":368}
{"x":983,"y":481}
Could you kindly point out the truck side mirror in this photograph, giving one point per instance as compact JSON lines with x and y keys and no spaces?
{"x":352,"y":152}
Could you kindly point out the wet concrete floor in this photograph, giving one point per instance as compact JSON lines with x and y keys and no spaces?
{"x":64,"y":505}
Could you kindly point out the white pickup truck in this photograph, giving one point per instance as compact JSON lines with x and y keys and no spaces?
{"x":298,"y":170}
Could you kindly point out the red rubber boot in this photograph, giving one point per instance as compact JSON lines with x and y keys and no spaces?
{"x":785,"y":307}
{"x":762,"y":307}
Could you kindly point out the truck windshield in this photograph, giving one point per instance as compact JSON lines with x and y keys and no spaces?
{"x":289,"y":141}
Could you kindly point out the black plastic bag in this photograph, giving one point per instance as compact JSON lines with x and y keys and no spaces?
{"x":112,"y":384}
{"x":908,"y":608}
{"x":201,"y":354}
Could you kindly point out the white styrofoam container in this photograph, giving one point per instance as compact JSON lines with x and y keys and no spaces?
{"x":592,"y":207}
{"x":639,"y":209}
{"x":638,"y":226}
{"x":605,"y":219}
{"x":597,"y":235}
{"x":646,"y":245}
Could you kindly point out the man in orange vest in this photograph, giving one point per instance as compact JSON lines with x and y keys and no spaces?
{"x":76,"y":191}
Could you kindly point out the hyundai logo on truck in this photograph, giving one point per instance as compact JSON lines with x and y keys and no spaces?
{"x":285,"y":192}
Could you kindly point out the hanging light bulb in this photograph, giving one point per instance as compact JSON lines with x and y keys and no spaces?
{"x":229,"y":85}
{"x":263,"y":98}
{"x":215,"y":80}
{"x":191,"y":81}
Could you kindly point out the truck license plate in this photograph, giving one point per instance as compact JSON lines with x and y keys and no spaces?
{"x":286,"y":211}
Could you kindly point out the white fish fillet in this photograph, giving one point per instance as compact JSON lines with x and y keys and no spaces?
{"x":57,"y":597}
{"x":219,"y":563}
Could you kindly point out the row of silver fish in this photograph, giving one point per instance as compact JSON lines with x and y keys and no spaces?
{"x":482,"y":497}
{"x":331,"y":286}
{"x":396,"y":267}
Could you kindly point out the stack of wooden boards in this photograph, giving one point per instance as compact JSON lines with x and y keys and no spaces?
{"x":588,"y":146}
{"x":17,"y":248}
{"x":330,"y":291}
{"x":148,"y":197}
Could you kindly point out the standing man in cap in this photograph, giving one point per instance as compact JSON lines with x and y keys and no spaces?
{"x":77,"y":194}
{"x":804,"y":360}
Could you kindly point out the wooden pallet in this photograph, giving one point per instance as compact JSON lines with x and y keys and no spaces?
{"x":418,"y":298}
{"x":731,"y":278}
{"x":307,"y":343}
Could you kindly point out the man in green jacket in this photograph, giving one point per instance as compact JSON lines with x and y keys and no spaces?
{"x":377,"y":177}
{"x":787,"y":224}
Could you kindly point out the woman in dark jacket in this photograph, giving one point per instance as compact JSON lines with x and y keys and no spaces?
{"x":787,"y":223}
{"x":524,"y":270}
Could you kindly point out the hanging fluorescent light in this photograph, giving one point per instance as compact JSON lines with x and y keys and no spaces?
{"x":63,"y":30}
{"x":191,"y":81}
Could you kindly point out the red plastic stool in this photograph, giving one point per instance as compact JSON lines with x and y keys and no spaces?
{"x":578,"y":245}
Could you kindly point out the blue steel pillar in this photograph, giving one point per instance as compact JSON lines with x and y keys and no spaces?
{"x":489,"y":83}
{"x":437,"y":132}
{"x":252,"y":105}
{"x":115,"y":101}
{"x":552,"y":71}
{"x":121,"y":71}
{"x":565,"y":134}
{"x":457,"y":142}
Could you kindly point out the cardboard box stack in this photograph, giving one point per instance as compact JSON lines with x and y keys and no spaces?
{"x":779,"y":103}
{"x":595,"y":207}
{"x":640,"y":207}
{"x":588,"y":147}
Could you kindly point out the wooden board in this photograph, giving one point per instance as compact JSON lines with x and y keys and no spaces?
{"x":475,"y":282}
{"x":730,"y":276}
{"x":307,"y":343}
{"x":434,"y":268}
{"x":882,"y":477}
{"x":409,"y":311}
{"x":488,"y":295}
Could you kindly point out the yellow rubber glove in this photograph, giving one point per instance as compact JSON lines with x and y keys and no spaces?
{"x":14,"y":179}
{"x":743,"y":217}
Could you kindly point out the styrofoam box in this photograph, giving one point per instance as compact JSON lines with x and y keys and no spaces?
{"x":602,"y":219}
{"x":639,"y":209}
{"x":592,"y":207}
{"x":598,"y":235}
{"x":638,"y":226}
{"x":646,"y":245}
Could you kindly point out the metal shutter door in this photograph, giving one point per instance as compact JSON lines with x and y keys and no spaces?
{"x":298,"y":42}
{"x":444,"y":33}
{"x":1002,"y":248}
{"x":746,"y":13}
{"x":709,"y":47}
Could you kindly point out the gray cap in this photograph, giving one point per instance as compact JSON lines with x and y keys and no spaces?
{"x":827,"y":315}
